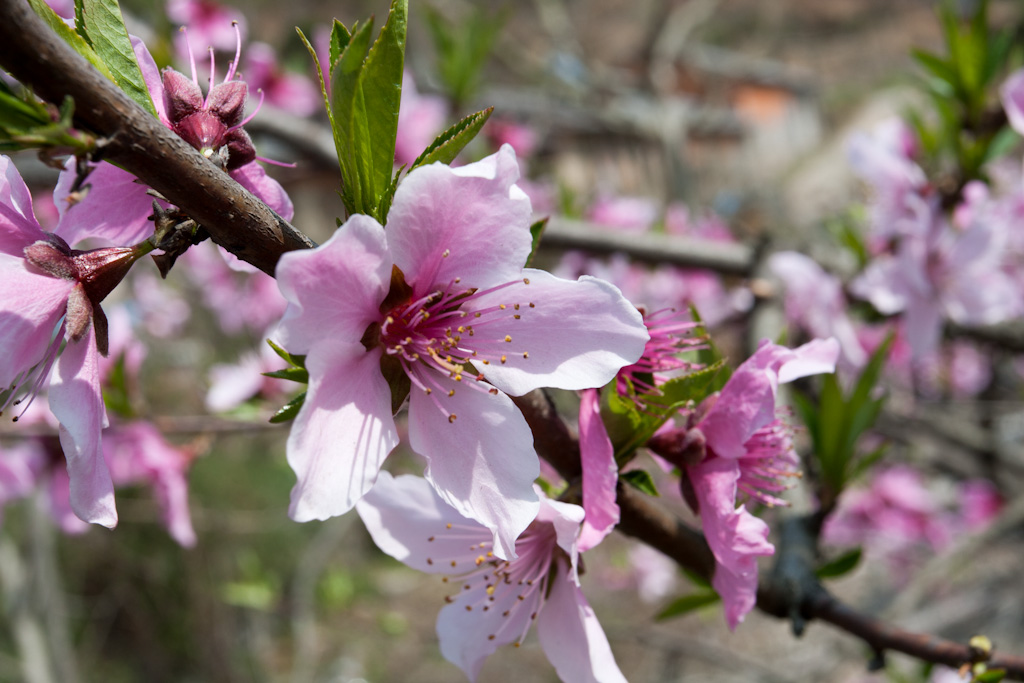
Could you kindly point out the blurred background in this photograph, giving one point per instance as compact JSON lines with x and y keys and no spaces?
{"x":722,"y":122}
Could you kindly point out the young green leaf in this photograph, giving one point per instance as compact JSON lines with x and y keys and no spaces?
{"x":687,"y":604}
{"x":640,"y":480}
{"x":295,"y":361}
{"x":536,"y":232}
{"x":69,"y":36}
{"x":843,"y":564}
{"x":105,"y":28}
{"x":289,"y":410}
{"x":340,"y":35}
{"x":292,"y":374}
{"x":381,"y":85}
{"x":448,"y":144}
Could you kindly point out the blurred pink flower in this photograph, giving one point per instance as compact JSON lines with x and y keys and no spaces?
{"x":209,"y":23}
{"x":421,"y":118}
{"x":632,"y":214}
{"x":499,"y":599}
{"x":521,"y":137}
{"x":291,"y":92}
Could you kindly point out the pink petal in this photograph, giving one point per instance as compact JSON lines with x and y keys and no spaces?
{"x":18,"y":225}
{"x":30,"y":307}
{"x":254,"y":178}
{"x":77,"y":402}
{"x":151,"y":76}
{"x":577,"y":334}
{"x":572,"y":638}
{"x":1012,"y":95}
{"x":735,"y":536}
{"x":115,"y":210}
{"x":469,"y":222}
{"x":566,"y":519}
{"x":747,"y":402}
{"x":600,"y":473}
{"x":409,"y":521}
{"x":483,"y":463}
{"x":816,"y":357}
{"x":342,"y":433}
{"x":334,"y":291}
{"x":466,"y":635}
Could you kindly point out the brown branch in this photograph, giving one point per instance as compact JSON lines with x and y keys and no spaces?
{"x":139,"y":143}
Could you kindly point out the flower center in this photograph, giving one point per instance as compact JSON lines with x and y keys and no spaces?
{"x":518,"y":588}
{"x":445,"y":338}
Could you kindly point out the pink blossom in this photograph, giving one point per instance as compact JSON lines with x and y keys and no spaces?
{"x":938,"y":272}
{"x":442,"y":299}
{"x":632,"y":214}
{"x":233,"y":384}
{"x":884,"y":159}
{"x":732,"y":444}
{"x":118,"y":207}
{"x":816,"y":303}
{"x":51,"y":293}
{"x":210,"y":23}
{"x":137,"y":454}
{"x":1012,"y":95}
{"x":521,"y":137}
{"x":287,"y":91}
{"x":499,"y":599}
{"x":420,"y":119}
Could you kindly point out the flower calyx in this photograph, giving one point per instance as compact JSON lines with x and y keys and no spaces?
{"x":96,"y":272}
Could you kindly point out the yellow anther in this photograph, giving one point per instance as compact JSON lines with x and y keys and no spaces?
{"x":451,"y":418}
{"x":448,"y":525}
{"x":517,"y":316}
{"x":516,"y":306}
{"x":526,"y":354}
{"x":490,"y":590}
{"x":451,"y":392}
{"x":430,"y":561}
{"x":446,"y":254}
{"x":508,"y":339}
{"x":526,"y":280}
{"x":479,"y":560}
{"x":503,"y":358}
{"x":428,"y":391}
{"x":501,"y":306}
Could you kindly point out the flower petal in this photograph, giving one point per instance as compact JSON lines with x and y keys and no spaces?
{"x":343,"y":431}
{"x":482,"y":463}
{"x":334,"y":291}
{"x":572,"y":638}
{"x":115,"y":209}
{"x":77,"y":402}
{"x":18,"y":225}
{"x":254,"y":178}
{"x":151,"y":77}
{"x":735,"y":536}
{"x":30,"y":307}
{"x":410,"y":522}
{"x":470,"y":222}
{"x":469,"y":636}
{"x":576,"y":334}
{"x":600,"y":473}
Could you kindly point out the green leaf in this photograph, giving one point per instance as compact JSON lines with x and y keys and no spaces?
{"x":319,"y":74}
{"x":381,"y":84}
{"x":292,"y":374}
{"x":687,"y":604}
{"x":621,"y":416}
{"x":695,"y":387}
{"x":1003,"y":142}
{"x":935,"y":65}
{"x":843,"y":564}
{"x":289,"y":410}
{"x":448,"y":144}
{"x":340,"y":36}
{"x":536,"y":232}
{"x":641,"y":480}
{"x":105,"y":29}
{"x":696,"y":579}
{"x":295,"y":361}
{"x":351,"y":135}
{"x":990,"y":676}
{"x":69,"y":36}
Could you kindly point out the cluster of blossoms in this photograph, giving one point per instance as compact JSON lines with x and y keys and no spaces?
{"x":663,"y":286}
{"x":927,"y":267}
{"x":434,"y":310}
